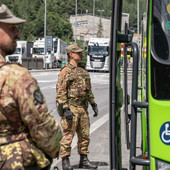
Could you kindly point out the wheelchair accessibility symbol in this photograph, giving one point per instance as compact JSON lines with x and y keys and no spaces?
{"x":165,"y":133}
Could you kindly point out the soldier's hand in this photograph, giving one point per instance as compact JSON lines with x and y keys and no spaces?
{"x":95,"y":109}
{"x":68,"y":113}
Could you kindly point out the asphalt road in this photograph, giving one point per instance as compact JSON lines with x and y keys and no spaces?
{"x":99,"y":132}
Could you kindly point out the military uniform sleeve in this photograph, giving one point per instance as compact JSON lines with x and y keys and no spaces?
{"x":43,"y":128}
{"x":61,"y":88}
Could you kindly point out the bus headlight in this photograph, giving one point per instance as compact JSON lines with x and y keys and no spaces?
{"x":161,"y":165}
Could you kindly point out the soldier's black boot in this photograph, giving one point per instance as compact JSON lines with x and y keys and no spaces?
{"x":85,"y":163}
{"x":66,"y":163}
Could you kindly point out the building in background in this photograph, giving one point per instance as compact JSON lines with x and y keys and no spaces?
{"x":87,"y":26}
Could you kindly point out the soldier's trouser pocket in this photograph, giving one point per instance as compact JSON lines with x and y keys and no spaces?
{"x":66,"y":124}
{"x":2,"y":161}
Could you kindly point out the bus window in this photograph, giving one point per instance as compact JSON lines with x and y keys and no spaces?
{"x":160,"y":60}
{"x":55,"y":45}
{"x":165,"y":16}
{"x":161,"y":31}
{"x":160,"y":81}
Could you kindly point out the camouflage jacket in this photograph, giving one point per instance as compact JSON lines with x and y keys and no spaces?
{"x":73,"y":85}
{"x":24,"y":113}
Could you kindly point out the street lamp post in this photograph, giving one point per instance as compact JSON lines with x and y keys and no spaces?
{"x":93,"y":15}
{"x":138,"y":20}
{"x":76,"y":22}
{"x":45,"y":1}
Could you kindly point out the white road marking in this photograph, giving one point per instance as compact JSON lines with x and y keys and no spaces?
{"x":48,"y":87}
{"x":46,"y":81}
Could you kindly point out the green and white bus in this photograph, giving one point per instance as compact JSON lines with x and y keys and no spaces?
{"x":150,"y":88}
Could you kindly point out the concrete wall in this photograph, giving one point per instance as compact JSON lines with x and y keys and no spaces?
{"x":84,"y":30}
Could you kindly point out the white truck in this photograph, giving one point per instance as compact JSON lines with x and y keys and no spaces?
{"x":55,"y":51}
{"x":22,"y":50}
{"x":98,"y":58}
{"x":38,"y":51}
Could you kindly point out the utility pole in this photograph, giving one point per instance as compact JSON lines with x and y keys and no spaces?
{"x":138,"y":20}
{"x":76,"y":22}
{"x":45,"y":1}
{"x":93,"y":15}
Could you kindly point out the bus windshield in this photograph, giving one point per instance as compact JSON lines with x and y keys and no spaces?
{"x":38,"y":51}
{"x":98,"y":50}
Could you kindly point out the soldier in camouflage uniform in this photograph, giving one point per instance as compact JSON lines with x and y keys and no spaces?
{"x":29,"y":135}
{"x":73,"y":94}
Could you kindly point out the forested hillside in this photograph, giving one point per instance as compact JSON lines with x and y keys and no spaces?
{"x":58,"y":12}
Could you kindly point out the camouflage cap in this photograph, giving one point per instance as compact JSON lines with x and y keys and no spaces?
{"x":74,"y":48}
{"x":6,"y":16}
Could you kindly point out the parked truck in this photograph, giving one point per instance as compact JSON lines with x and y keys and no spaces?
{"x":38,"y":51}
{"x":55,"y":51}
{"x":98,"y":58}
{"x":22,"y":50}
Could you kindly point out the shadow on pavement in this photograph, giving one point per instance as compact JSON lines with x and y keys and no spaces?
{"x":94,"y":163}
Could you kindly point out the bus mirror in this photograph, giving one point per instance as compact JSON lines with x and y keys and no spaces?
{"x":124,"y":38}
{"x":31,"y":50}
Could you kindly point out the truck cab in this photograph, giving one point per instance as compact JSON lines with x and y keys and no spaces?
{"x":98,"y":54}
{"x":38,"y":51}
{"x":22,"y":50}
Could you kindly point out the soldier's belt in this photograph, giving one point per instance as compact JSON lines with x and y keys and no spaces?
{"x":83,"y":103}
{"x":4,"y":140}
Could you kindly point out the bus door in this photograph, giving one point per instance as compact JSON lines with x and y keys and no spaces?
{"x":115,"y":88}
{"x":116,"y":91}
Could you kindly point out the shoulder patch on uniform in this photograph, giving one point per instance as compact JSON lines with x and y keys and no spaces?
{"x":38,"y":96}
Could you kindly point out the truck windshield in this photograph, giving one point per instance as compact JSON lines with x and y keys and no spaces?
{"x":17,"y":51}
{"x":38,"y":51}
{"x":98,"y":50}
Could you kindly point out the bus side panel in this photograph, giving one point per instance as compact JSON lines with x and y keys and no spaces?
{"x":159,"y":114}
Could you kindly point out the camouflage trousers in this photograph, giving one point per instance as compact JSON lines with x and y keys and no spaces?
{"x":22,"y":155}
{"x":79,"y":124}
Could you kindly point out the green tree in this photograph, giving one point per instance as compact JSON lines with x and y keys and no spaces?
{"x":58,"y":12}
{"x":33,"y":12}
{"x":130,"y":6}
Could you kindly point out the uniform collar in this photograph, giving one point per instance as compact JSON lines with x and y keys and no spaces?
{"x":71,"y":65}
